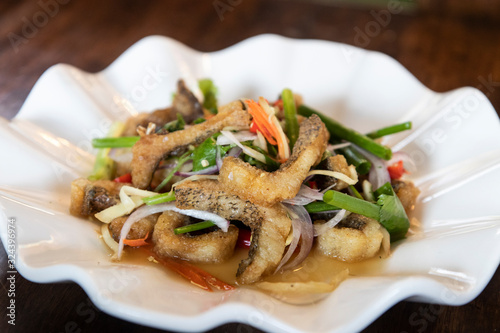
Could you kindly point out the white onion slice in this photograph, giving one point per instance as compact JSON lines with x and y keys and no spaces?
{"x":322,"y":228}
{"x":249,"y":151}
{"x":301,"y":221}
{"x":127,"y":204}
{"x":106,"y":237}
{"x":305,"y":196}
{"x":144,"y":211}
{"x":335,"y":174}
{"x":240,"y":136}
{"x":260,"y":141}
{"x":378,"y":175}
{"x":338,"y":146}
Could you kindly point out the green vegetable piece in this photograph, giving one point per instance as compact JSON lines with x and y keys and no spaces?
{"x":180,"y":162}
{"x":340,"y":132}
{"x":104,"y":166}
{"x":291,"y":122}
{"x":388,"y":210}
{"x":175,"y":125}
{"x":352,"y":204}
{"x":353,"y":157}
{"x":121,"y":142}
{"x":193,"y":227}
{"x":160,"y":198}
{"x":389,"y":130}
{"x":204,"y":156}
{"x":199,"y":120}
{"x":319,"y":206}
{"x":209,"y":91}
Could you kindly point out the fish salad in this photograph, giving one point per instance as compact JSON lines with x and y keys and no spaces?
{"x":191,"y":183}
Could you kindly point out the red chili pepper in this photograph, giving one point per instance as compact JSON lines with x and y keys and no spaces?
{"x":244,"y":238}
{"x":312,"y":184}
{"x":396,"y":170}
{"x":126,"y":178}
{"x":254,"y":127}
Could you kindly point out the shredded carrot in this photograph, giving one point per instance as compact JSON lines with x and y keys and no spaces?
{"x":267,"y":124}
{"x":193,"y":274}
{"x":136,"y":242}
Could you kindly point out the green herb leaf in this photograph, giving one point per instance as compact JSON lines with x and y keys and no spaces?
{"x":209,"y":91}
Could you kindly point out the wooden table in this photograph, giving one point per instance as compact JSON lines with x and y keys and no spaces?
{"x":445,"y":49}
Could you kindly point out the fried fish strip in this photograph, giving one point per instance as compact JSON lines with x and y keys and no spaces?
{"x":151,"y":149}
{"x":270,"y":225}
{"x":212,"y":247}
{"x":268,"y":188}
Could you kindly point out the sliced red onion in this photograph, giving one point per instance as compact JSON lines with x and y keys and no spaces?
{"x":218,"y":158}
{"x":207,"y":171}
{"x":408,"y":162}
{"x":378,"y":175}
{"x":321,"y":229}
{"x":303,"y":230}
{"x":144,"y":211}
{"x":234,"y":152}
{"x":240,"y":136}
{"x":305,"y":196}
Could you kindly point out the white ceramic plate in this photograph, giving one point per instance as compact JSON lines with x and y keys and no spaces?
{"x":455,"y":143}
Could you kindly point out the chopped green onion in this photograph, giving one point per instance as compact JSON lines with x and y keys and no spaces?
{"x":180,"y":162}
{"x":291,"y":122}
{"x":389,"y":130}
{"x":160,"y":198}
{"x":121,"y":142}
{"x":353,"y":157}
{"x":356,"y":193}
{"x":340,"y":132}
{"x":319,"y":206}
{"x":104,"y":166}
{"x":193,"y":227}
{"x":175,"y":125}
{"x":352,"y":204}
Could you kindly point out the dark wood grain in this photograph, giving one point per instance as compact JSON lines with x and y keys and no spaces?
{"x":445,"y":49}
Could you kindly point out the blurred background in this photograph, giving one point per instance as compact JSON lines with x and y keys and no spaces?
{"x":446,"y":44}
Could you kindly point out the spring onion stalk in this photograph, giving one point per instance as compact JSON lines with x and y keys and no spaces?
{"x":110,"y":142}
{"x":291,"y":122}
{"x":389,"y":130}
{"x":353,"y":157}
{"x":193,"y":227}
{"x":183,"y":159}
{"x":340,"y":132}
{"x":355,"y":192}
{"x":160,"y":198}
{"x":388,"y":210}
{"x":352,"y":204}
{"x":104,"y":166}
{"x":319,"y":206}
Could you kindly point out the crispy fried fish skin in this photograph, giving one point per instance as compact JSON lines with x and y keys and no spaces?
{"x":151,"y":149}
{"x":407,"y":193}
{"x":212,"y":247}
{"x":138,"y":230}
{"x":354,"y":239}
{"x":268,"y":188}
{"x":185,"y":103}
{"x":270,"y":225}
{"x":90,"y":197}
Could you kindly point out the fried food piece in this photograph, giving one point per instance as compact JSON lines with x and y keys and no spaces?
{"x":151,"y":149}
{"x":138,"y":230}
{"x":212,"y":247}
{"x":407,"y":193}
{"x":184,"y":103}
{"x":355,"y":238}
{"x":270,"y":225}
{"x":268,"y":188}
{"x":90,"y":197}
